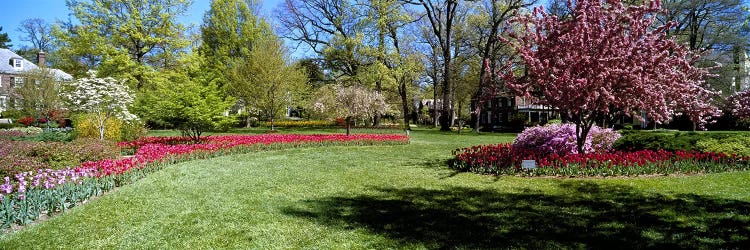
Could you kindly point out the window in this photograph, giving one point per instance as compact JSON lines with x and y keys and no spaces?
{"x":18,"y":82}
{"x":17,"y":63}
{"x":3,"y":101}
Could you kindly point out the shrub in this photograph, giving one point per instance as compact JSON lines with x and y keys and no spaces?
{"x":28,"y":130}
{"x":638,"y":140}
{"x":554,"y":121}
{"x":13,"y":114}
{"x":132,"y":130}
{"x":561,"y":139}
{"x":48,"y":136}
{"x":18,"y":133}
{"x":10,"y":133}
{"x":224,"y":125}
{"x":22,"y":156}
{"x":28,"y":120}
{"x":737,"y":145}
{"x":11,"y":125}
{"x":86,"y":127}
{"x":299,"y":124}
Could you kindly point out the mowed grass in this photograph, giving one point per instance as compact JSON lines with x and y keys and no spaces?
{"x":396,"y":197}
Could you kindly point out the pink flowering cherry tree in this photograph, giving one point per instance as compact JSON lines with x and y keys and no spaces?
{"x":606,"y":60}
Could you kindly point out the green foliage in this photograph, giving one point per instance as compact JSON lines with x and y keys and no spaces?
{"x":120,"y":38}
{"x":266,"y":82}
{"x":11,"y":125}
{"x":658,"y":141}
{"x":40,"y":94}
{"x":229,"y":32}
{"x":728,"y":143}
{"x":14,"y":114}
{"x":738,"y":145}
{"x":371,"y":197}
{"x":132,"y":130}
{"x":4,"y":39}
{"x":190,"y":106}
{"x":49,"y":136}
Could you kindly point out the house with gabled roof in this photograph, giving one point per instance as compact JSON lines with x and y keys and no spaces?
{"x":12,"y":70}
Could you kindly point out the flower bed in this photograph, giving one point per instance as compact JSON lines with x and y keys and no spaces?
{"x":505,"y":159}
{"x":23,"y":156}
{"x":300,"y":124}
{"x":27,"y":195}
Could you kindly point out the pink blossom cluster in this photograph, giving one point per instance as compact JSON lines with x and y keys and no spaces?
{"x":739,"y":104}
{"x":560,"y":139}
{"x":610,"y":58}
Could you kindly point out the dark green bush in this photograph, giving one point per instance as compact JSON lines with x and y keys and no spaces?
{"x":12,"y":125}
{"x":639,"y":140}
{"x":49,"y":136}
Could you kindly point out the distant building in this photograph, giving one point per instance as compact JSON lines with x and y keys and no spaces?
{"x":12,"y":70}
{"x":509,"y":112}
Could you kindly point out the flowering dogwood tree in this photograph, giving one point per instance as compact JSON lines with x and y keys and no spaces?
{"x":104,"y":98}
{"x":739,"y":104}
{"x":350,"y":103}
{"x":607,"y":60}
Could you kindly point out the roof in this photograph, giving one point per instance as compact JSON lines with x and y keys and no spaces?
{"x":5,"y":67}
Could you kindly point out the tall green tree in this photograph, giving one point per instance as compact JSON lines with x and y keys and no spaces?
{"x":229,"y":31}
{"x":266,"y":81}
{"x":37,"y":32}
{"x":4,"y":39}
{"x":186,"y":104}
{"x":124,"y":38}
{"x":332,"y":29}
{"x":40,"y":93}
{"x":442,"y":17}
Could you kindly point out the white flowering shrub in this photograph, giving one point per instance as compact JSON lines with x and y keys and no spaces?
{"x":103,"y":98}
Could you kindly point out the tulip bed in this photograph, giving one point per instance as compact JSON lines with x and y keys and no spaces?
{"x":28,"y":195}
{"x":505,"y":159}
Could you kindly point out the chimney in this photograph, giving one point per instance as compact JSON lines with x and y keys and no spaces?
{"x":40,"y":58}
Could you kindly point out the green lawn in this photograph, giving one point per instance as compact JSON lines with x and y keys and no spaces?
{"x":396,"y":197}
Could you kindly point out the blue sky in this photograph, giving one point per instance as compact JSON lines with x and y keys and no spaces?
{"x":14,"y":11}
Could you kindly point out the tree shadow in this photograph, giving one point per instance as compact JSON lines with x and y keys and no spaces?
{"x":583,"y":215}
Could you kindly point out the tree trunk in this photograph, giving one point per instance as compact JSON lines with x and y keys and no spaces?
{"x":101,"y":131}
{"x":348,"y":125}
{"x":582,"y":131}
{"x":460,"y":124}
{"x":434,"y":105}
{"x":446,"y":114}
{"x":404,"y":103}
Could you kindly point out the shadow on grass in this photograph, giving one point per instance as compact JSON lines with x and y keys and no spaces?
{"x":584,"y":215}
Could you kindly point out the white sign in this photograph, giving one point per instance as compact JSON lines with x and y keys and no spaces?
{"x":528,"y":164}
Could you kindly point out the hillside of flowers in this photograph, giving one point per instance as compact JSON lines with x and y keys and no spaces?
{"x":27,"y":195}
{"x":553,"y":150}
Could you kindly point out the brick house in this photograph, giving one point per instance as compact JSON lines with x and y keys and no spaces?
{"x":12,"y":70}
